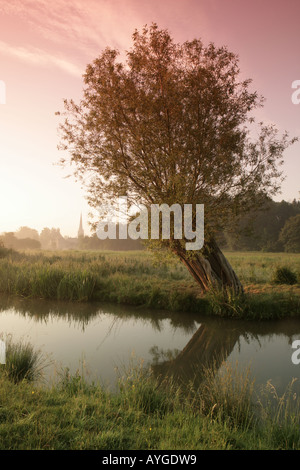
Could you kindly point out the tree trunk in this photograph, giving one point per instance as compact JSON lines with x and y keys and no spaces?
{"x":210,"y":268}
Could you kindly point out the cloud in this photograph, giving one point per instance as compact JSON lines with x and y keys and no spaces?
{"x":88,"y":26}
{"x":41,"y":58}
{"x":81,"y":29}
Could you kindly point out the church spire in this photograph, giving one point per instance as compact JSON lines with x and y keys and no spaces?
{"x":80,"y":230}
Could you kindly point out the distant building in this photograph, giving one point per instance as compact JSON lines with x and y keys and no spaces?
{"x":80,"y":230}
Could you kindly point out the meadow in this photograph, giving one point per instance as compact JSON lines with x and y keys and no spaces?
{"x":143,"y":279}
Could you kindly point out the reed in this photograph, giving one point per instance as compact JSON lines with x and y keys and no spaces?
{"x":147,"y":414}
{"x":23,"y":362}
{"x":137,"y":278}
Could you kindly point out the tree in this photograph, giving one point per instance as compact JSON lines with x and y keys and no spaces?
{"x":28,"y":244}
{"x":50,"y":238}
{"x":259,"y":230}
{"x":27,"y":232}
{"x":172,"y":124}
{"x":290,"y":235}
{"x":9,"y":240}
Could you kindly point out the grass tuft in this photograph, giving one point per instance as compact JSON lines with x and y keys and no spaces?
{"x":23,"y":362}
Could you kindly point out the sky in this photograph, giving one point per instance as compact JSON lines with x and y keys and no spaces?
{"x":46,"y":46}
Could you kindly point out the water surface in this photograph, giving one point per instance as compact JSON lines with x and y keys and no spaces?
{"x":101,"y":338}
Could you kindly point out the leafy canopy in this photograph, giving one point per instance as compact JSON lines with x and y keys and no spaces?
{"x":172,"y":124}
{"x":290,"y":235}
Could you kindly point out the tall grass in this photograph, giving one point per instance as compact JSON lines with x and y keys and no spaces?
{"x":23,"y":362}
{"x":136,"y":278}
{"x":146,"y":413}
{"x":228,"y":395}
{"x":281,"y":415}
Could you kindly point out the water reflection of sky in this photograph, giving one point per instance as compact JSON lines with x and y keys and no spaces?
{"x":105,"y":343}
{"x":106,"y":337}
{"x":269,"y":359}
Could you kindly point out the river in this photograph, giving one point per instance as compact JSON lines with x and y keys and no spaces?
{"x":103,"y":340}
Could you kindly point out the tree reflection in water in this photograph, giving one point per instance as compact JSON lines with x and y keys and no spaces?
{"x":211,"y":343}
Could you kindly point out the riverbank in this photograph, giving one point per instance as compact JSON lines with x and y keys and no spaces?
{"x":146,"y":414}
{"x":140,"y":279}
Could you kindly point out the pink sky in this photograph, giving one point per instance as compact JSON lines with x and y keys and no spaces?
{"x":45,"y":47}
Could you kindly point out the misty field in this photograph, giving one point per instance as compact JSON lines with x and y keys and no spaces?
{"x":140,"y":278}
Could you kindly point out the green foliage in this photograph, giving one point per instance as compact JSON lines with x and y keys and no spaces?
{"x":22,"y":361}
{"x":284,"y":275}
{"x":173,"y":125}
{"x":290,"y":235}
{"x":76,"y":286}
{"x":260,"y":230}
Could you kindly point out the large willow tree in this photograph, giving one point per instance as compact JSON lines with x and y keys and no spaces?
{"x":170,"y":124}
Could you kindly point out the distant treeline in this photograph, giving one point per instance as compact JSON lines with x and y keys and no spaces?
{"x":94,"y":243}
{"x":27,"y":238}
{"x":9,"y":240}
{"x":276,"y":228}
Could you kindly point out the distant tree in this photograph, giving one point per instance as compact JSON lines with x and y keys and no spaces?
{"x":290,"y":235}
{"x":9,"y":240}
{"x":50,"y":238}
{"x":45,"y":237}
{"x":27,"y":232}
{"x":259,"y":230}
{"x":28,"y":244}
{"x":173,"y":125}
{"x":94,"y":243}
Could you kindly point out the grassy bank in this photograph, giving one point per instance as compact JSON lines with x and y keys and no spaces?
{"x":137,"y":278}
{"x":223,"y":413}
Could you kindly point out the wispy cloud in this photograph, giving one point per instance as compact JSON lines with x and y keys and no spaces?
{"x":81,"y":29}
{"x":41,"y":58}
{"x":87,"y":26}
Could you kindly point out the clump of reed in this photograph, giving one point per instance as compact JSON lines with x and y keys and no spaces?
{"x":22,"y":361}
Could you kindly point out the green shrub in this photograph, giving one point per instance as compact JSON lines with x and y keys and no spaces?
{"x":284,"y":275}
